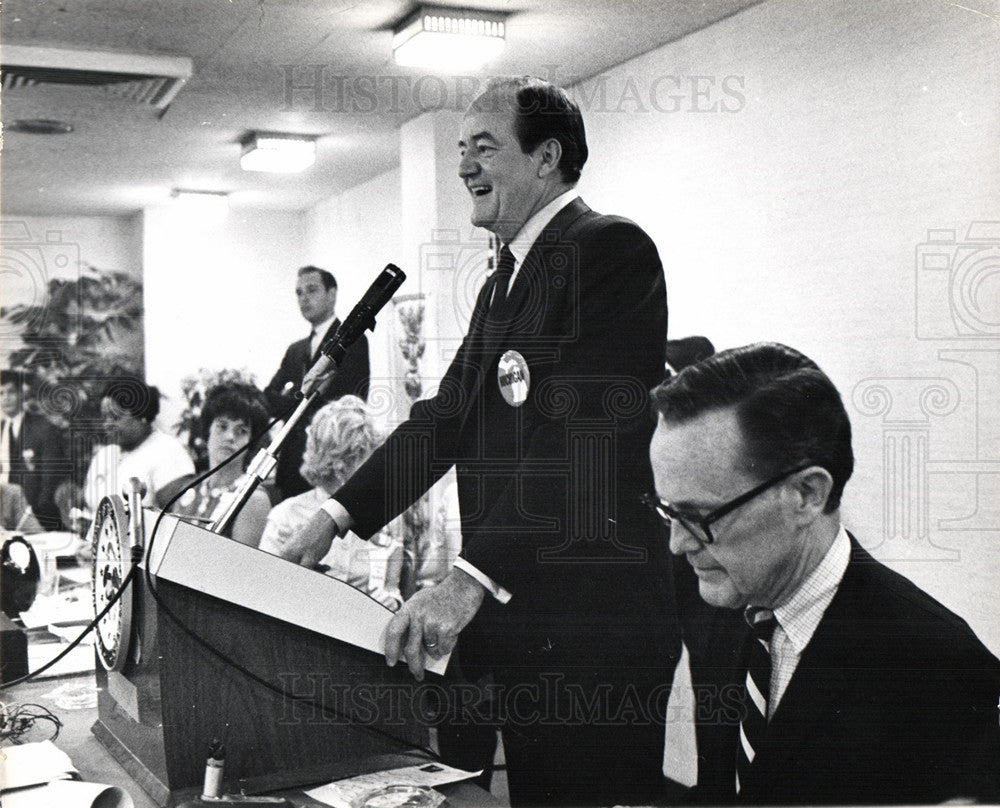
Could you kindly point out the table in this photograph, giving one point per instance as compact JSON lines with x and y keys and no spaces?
{"x":95,"y":764}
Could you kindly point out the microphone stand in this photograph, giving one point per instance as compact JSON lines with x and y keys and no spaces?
{"x":266,"y":458}
{"x":324,"y":369}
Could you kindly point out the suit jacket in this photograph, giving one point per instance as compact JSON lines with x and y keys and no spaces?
{"x":549,"y":490}
{"x":894,"y":700}
{"x":39,"y":463}
{"x":15,"y":513}
{"x":352,"y":379}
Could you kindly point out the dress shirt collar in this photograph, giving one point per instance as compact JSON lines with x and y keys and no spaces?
{"x":318,"y":332}
{"x":532,"y":228}
{"x":15,"y":423}
{"x":800,"y":616}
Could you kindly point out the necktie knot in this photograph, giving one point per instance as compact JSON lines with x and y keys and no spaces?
{"x":762,"y":622}
{"x":505,"y":263}
{"x":501,"y":277}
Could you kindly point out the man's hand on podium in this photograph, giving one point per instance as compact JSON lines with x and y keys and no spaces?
{"x":310,"y":545}
{"x":430,"y":621}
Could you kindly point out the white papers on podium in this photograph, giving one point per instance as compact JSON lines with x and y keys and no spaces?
{"x":199,"y":559}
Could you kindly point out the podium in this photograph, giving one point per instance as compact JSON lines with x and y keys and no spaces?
{"x":282,"y":630}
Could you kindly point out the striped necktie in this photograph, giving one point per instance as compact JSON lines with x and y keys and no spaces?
{"x":753,"y":726}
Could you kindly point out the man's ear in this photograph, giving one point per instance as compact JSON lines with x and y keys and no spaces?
{"x":813,"y":486}
{"x":550,"y":153}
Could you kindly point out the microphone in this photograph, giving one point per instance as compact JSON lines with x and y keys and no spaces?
{"x":362,"y":317}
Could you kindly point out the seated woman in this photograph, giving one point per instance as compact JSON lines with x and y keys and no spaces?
{"x":339,"y":439}
{"x":231,"y":414}
{"x":135,"y":447}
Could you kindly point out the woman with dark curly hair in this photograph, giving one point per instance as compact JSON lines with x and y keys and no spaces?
{"x":231,"y":414}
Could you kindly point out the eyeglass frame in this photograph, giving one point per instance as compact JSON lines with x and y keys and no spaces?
{"x":668,"y":513}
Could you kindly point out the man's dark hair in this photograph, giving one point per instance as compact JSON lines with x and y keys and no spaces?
{"x":788,"y":410}
{"x":239,"y":402}
{"x":134,"y":396}
{"x":329,"y":282}
{"x":20,"y":378}
{"x":541,"y":111}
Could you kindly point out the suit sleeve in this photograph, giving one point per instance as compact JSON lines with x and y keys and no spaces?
{"x":415,"y":455}
{"x":279,"y":403}
{"x":354,"y":375}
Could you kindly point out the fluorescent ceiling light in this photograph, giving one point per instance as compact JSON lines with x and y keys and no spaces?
{"x":277,"y":153}
{"x":448,"y":39}
{"x":209,"y":203}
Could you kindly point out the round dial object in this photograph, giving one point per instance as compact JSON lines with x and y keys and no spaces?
{"x":112,"y":561}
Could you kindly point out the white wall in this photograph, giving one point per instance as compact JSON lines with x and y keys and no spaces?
{"x":354,"y":235}
{"x":799,"y":216}
{"x":36,"y":249}
{"x":219,"y":294}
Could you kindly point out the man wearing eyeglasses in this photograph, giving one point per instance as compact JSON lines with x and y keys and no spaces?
{"x":819,"y":674}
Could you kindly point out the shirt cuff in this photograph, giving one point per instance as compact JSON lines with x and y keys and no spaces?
{"x":488,"y":583}
{"x":338,"y":513}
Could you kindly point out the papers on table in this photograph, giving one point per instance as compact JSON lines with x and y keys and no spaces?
{"x":61,"y":543}
{"x":341,"y":793}
{"x":38,"y":775}
{"x":32,"y":763}
{"x":69,"y":794}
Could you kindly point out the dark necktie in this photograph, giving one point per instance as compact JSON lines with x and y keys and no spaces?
{"x":502,"y":276}
{"x":758,"y":690}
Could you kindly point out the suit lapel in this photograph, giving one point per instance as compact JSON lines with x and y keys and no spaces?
{"x":530,"y":283}
{"x":821,"y":677}
{"x":491,"y":326}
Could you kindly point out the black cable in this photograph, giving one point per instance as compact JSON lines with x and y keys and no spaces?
{"x":14,"y":724}
{"x":221,"y":655}
{"x":127,"y":580}
{"x":191,"y":633}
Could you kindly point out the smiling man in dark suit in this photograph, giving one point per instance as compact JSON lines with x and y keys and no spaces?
{"x":820,"y":675}
{"x":316,"y":293}
{"x":558,"y":591}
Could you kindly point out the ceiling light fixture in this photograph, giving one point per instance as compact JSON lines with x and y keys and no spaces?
{"x":448,"y":39}
{"x":39,"y":126}
{"x":277,"y":153}
{"x":210,"y":203}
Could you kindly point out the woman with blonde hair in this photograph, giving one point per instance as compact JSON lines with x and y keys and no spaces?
{"x":339,"y":439}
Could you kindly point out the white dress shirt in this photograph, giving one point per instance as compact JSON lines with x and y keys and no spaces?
{"x":799,"y":617}
{"x":11,"y":430}
{"x":318,"y":332}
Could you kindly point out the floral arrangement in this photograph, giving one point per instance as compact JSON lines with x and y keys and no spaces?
{"x":85,"y":331}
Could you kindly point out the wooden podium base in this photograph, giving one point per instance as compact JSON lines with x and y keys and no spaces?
{"x":173,"y":698}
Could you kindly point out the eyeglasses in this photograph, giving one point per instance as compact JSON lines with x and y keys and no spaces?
{"x":668,"y":513}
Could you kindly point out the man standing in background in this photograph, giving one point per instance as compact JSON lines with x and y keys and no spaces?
{"x":32,"y":451}
{"x":316,"y":292}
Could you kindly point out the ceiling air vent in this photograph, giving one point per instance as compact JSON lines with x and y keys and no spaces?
{"x":153,"y":80}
